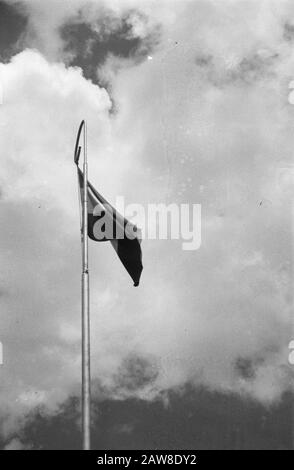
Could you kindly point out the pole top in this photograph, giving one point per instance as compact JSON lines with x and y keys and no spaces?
{"x":77,"y":146}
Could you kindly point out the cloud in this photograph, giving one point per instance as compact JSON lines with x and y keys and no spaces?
{"x":256,"y":66}
{"x":13,"y":22}
{"x":212,"y":419}
{"x":88,"y":45}
{"x":50,"y":25}
{"x":15,"y":444}
{"x":219,"y":317}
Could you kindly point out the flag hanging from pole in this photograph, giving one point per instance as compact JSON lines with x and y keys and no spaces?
{"x":106,"y":224}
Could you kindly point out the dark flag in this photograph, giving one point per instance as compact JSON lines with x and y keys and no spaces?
{"x":106,"y":224}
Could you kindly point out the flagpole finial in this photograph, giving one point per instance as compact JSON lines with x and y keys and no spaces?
{"x":77,"y":146}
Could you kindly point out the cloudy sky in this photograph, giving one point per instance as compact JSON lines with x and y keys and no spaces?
{"x":186,"y":102}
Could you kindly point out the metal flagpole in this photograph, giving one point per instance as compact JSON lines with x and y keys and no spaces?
{"x":86,"y":377}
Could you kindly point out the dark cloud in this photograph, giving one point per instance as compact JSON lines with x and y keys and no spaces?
{"x":254,"y":67}
{"x":196,"y":418}
{"x":246,"y":367}
{"x":136,"y":372}
{"x":13,"y":22}
{"x":204,"y":60}
{"x":88,"y":46}
{"x":288,"y":32}
{"x":222,"y":72}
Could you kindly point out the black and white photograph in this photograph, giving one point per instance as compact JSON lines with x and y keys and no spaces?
{"x":146,"y":228}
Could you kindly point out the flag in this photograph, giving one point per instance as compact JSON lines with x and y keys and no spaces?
{"x":106,"y":224}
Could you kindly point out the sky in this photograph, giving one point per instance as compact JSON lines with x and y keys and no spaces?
{"x":186,"y":102}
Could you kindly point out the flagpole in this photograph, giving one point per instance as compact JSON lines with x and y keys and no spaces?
{"x":86,"y":377}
